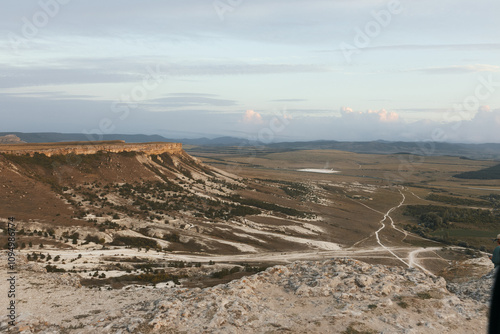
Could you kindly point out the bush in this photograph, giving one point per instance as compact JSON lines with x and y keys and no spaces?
{"x":268,"y":206}
{"x":158,"y":278}
{"x":92,"y":238}
{"x":54,"y":269}
{"x":134,"y":242}
{"x":225,"y":272}
{"x":173,"y":237}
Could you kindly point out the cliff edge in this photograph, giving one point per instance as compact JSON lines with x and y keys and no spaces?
{"x":116,"y":146}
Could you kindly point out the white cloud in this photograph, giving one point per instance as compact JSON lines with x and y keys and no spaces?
{"x":54,"y":115}
{"x":252,"y":117}
{"x":381,"y":115}
{"x":386,"y":116}
{"x":484,"y":127}
{"x":346,"y":110}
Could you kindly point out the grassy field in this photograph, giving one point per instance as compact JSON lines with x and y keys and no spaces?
{"x":427,"y":180}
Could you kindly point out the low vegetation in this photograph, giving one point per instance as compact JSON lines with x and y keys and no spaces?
{"x":464,"y":227}
{"x":458,"y":200}
{"x":268,"y":206}
{"x":225,"y":272}
{"x":134,"y":242}
{"x":490,"y":173}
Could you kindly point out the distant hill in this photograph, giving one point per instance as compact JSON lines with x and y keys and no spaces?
{"x":54,"y":137}
{"x":471,"y":151}
{"x":467,"y":151}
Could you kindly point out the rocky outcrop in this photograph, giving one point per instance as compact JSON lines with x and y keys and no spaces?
{"x":322,"y":297}
{"x":478,"y":289}
{"x":50,"y":149}
{"x":335,"y":296}
{"x":10,"y":139}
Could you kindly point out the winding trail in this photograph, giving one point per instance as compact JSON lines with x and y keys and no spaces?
{"x":392,"y":221}
{"x":417,"y":196}
{"x":412,"y":260}
{"x":404,"y":253}
{"x":387,"y":215}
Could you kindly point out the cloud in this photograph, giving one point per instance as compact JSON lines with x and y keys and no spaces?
{"x":40,"y":76}
{"x":427,"y":47}
{"x":80,"y":67}
{"x":191,"y":100}
{"x":192,"y":94}
{"x":80,"y":115}
{"x":482,"y":128}
{"x":381,"y":115}
{"x":385,"y":116}
{"x":346,"y":111}
{"x":484,"y":108}
{"x":193,"y":20}
{"x":460,"y":69}
{"x":289,"y":100}
{"x":252,"y":117}
{"x":110,"y":71}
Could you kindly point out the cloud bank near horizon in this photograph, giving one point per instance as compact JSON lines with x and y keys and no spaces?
{"x":344,"y":124}
{"x":194,"y":69}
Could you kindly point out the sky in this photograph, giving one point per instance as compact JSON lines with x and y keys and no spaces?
{"x":267,"y":70}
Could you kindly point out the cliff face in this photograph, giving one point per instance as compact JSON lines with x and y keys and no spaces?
{"x":51,"y":149}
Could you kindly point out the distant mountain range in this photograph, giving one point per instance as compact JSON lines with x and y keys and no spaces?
{"x":54,"y":137}
{"x":469,"y":151}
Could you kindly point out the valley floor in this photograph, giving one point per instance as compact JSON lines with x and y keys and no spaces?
{"x":271,"y":250}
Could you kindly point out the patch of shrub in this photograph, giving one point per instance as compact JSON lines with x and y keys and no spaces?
{"x":225,"y":272}
{"x":133,"y":242}
{"x":54,"y":269}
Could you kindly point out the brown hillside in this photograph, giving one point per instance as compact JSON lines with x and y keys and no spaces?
{"x":113,"y":191}
{"x":34,"y":176}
